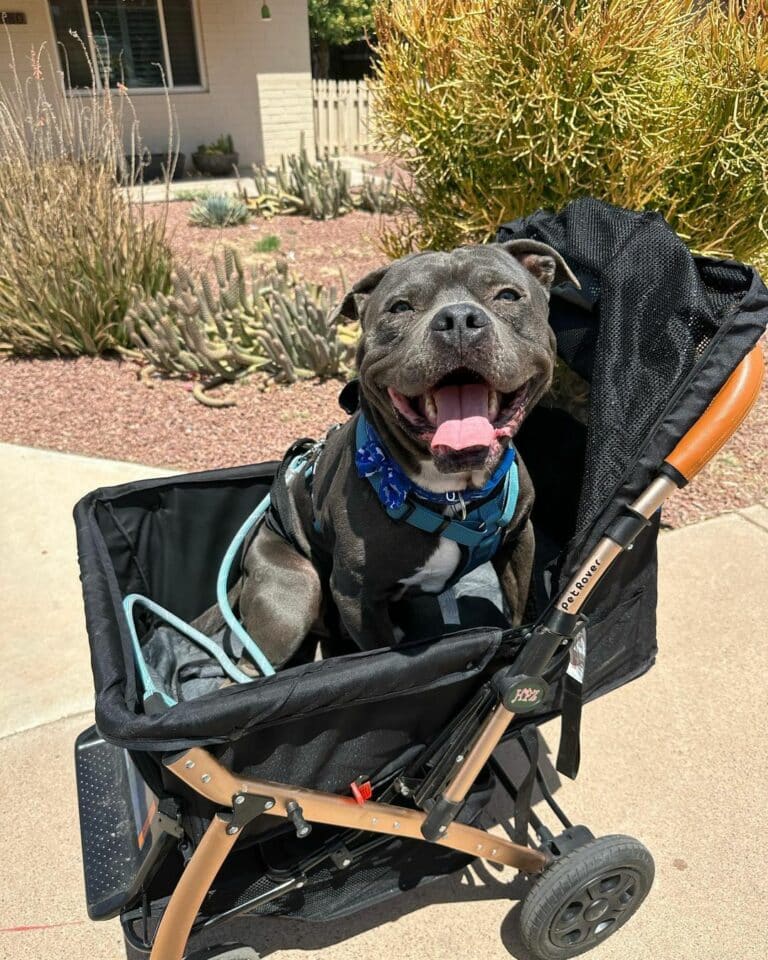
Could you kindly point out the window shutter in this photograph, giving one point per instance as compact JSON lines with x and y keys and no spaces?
{"x":128,"y":41}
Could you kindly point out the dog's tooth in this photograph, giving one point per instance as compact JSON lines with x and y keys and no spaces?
{"x":430,"y":408}
{"x":493,"y":404}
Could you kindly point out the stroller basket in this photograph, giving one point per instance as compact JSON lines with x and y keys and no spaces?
{"x":336,"y":783}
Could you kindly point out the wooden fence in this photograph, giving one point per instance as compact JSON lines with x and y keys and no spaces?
{"x":343,"y":116}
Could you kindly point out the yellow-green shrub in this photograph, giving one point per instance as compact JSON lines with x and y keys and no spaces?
{"x":498,"y":107}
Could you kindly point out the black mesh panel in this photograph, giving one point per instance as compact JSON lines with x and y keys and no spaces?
{"x":646,"y":314}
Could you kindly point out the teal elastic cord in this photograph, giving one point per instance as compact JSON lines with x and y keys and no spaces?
{"x":221,"y":590}
{"x":223,"y":601}
{"x":194,"y":635}
{"x":296,"y":466}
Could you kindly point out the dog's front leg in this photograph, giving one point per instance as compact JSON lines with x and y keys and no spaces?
{"x":363,"y":609}
{"x":513,"y":564}
{"x":281,"y":596}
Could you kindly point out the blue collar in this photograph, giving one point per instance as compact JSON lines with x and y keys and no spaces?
{"x":488,"y":511}
{"x":394,"y":487}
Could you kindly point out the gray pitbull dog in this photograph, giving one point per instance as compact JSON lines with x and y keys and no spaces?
{"x":455,"y":349}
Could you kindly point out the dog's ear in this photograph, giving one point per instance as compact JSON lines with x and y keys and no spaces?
{"x":353,"y":304}
{"x":541,"y":260}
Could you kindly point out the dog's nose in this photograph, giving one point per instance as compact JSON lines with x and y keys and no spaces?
{"x":459,"y":322}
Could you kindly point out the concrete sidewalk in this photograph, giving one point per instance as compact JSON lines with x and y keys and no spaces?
{"x":184,"y":188}
{"x":676,"y":759}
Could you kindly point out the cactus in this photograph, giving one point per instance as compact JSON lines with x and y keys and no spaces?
{"x":319,"y":189}
{"x":219,"y":210}
{"x":379,"y":194}
{"x":258,"y":318}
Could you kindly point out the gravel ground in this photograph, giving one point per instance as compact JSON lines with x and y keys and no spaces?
{"x":98,"y":408}
{"x":317,"y":249}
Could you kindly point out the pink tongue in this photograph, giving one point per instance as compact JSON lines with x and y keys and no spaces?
{"x":462,"y":417}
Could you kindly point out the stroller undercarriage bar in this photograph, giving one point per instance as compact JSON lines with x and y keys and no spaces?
{"x":199,"y":770}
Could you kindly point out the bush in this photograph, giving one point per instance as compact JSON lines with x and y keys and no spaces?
{"x":499,"y":107}
{"x":250,"y":319}
{"x":73,"y":245}
{"x":268,"y":244}
{"x":219,"y":210}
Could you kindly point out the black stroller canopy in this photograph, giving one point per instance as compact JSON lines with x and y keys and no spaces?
{"x":655,"y":331}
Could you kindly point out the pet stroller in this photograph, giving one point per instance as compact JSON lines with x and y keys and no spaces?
{"x":337,"y":783}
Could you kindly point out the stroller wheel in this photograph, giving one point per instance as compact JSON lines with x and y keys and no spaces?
{"x":584,"y":897}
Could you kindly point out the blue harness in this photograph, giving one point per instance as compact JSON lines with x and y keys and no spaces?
{"x":487,"y":512}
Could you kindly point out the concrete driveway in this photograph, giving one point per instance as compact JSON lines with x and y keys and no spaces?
{"x":676,"y":759}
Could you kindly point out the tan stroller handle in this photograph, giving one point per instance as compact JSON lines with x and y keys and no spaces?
{"x":722,"y":418}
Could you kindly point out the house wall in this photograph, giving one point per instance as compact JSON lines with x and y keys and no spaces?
{"x":23,"y":39}
{"x":257,"y":78}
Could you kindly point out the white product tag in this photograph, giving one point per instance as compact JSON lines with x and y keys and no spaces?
{"x":578,"y":656}
{"x":449,"y":608}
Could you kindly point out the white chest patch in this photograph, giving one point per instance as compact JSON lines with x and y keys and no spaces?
{"x":439,"y":568}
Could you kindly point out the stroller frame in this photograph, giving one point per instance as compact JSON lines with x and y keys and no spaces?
{"x":516,"y":689}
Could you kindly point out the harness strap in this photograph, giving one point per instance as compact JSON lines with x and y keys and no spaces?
{"x":480,"y":531}
{"x":470,"y":532}
{"x":529,"y":741}
{"x":301,"y":457}
{"x":569,"y":754}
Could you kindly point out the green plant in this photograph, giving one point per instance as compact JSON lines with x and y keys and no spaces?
{"x":225,"y":144}
{"x":319,"y":189}
{"x":498,"y":107}
{"x":73,"y":246}
{"x":268,"y":244}
{"x":249,"y":319}
{"x":219,"y":210}
{"x":336,"y":22}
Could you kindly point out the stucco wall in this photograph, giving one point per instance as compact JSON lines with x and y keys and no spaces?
{"x":35,"y":32}
{"x":256,"y":73}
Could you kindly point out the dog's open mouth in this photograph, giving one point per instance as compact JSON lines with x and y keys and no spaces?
{"x":462,"y":412}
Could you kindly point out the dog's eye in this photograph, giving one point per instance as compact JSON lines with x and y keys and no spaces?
{"x":400,"y":306}
{"x":508,"y":294}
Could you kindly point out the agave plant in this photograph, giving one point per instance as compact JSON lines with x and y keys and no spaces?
{"x":219,"y":210}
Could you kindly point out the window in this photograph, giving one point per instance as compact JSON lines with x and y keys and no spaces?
{"x":141,"y":43}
